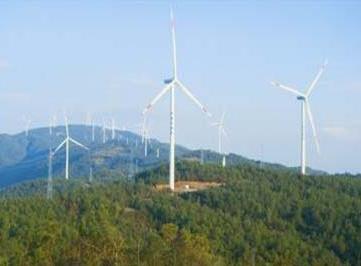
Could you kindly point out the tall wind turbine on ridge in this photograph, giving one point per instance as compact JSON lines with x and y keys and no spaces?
{"x":145,"y":136}
{"x":66,"y":143}
{"x":171,"y":85}
{"x":305,"y":111}
{"x":221,"y":132}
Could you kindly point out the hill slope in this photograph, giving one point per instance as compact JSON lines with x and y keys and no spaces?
{"x":26,"y":157}
{"x":258,"y":217}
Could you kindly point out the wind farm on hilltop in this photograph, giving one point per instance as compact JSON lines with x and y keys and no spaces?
{"x":149,"y":134}
{"x":110,"y":131}
{"x":109,"y":128}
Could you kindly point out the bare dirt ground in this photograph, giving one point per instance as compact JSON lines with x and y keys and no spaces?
{"x":188,"y":186}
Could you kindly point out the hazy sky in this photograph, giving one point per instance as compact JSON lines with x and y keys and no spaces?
{"x":110,"y":58}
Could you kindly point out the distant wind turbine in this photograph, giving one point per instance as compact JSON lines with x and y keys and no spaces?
{"x":104,"y":129}
{"x":221,"y":132}
{"x":49,"y":191}
{"x":171,"y":85}
{"x":52,"y":124}
{"x":145,"y":137}
{"x":113,"y":128}
{"x":27,"y":125}
{"x":93,"y":130}
{"x":158,"y":153}
{"x":66,"y":143}
{"x":305,"y":111}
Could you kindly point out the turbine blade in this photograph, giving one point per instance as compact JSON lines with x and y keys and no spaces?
{"x":78,"y":143}
{"x":279,"y":85}
{"x":173,"y":44}
{"x":314,"y":132}
{"x":318,"y":76}
{"x":157,"y":98}
{"x":194,"y":99}
{"x":59,"y":147}
{"x":66,"y":125}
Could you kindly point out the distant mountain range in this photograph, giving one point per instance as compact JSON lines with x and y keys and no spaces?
{"x":26,"y":157}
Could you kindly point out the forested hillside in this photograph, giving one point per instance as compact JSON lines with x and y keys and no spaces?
{"x":24,"y":158}
{"x":257,"y":217}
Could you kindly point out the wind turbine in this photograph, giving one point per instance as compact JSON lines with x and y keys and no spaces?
{"x":305,"y":111}
{"x":52,"y":124}
{"x":104,"y":129}
{"x":93,"y":130}
{"x":145,"y":137}
{"x":113,"y":127}
{"x":158,"y":153}
{"x":171,"y":85}
{"x":27,"y":125}
{"x":66,"y":143}
{"x":49,"y":191}
{"x":221,"y":132}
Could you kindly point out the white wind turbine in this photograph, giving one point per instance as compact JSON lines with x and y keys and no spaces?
{"x":171,"y":85}
{"x":27,"y":125}
{"x":158,"y":153}
{"x":305,"y":111}
{"x":145,"y":136}
{"x":113,"y":128}
{"x":52,"y":124}
{"x":89,"y":123}
{"x":50,"y":175}
{"x":93,"y":129}
{"x":221,"y":132}
{"x":104,"y":129}
{"x":66,"y":143}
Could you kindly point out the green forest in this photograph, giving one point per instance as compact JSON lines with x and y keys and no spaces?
{"x":256,"y":217}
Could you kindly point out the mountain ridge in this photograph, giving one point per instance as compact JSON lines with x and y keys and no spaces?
{"x":26,"y":157}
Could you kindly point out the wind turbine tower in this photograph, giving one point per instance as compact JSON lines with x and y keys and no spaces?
{"x":145,"y":136}
{"x":66,"y":143}
{"x":93,"y":130}
{"x":49,"y":192}
{"x":104,"y":131}
{"x":170,"y":86}
{"x":27,"y":125}
{"x":158,"y":153}
{"x":52,"y":124}
{"x":113,"y":128}
{"x":221,"y":132}
{"x":305,"y":111}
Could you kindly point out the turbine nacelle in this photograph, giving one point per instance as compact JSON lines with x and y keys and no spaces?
{"x":169,"y":81}
{"x":301,"y":98}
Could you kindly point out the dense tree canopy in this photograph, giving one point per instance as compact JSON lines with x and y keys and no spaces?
{"x":257,"y":217}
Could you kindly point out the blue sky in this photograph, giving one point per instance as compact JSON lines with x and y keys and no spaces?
{"x":110,"y":58}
